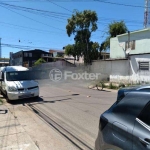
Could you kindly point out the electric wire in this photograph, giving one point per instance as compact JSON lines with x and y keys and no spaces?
{"x":31,"y":18}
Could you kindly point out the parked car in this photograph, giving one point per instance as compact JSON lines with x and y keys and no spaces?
{"x":16,"y":83}
{"x":126,"y":124}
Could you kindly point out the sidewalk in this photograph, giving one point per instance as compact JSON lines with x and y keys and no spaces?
{"x":12,"y":135}
{"x":22,"y":129}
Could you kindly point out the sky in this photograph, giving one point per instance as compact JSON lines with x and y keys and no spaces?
{"x":41,"y":24}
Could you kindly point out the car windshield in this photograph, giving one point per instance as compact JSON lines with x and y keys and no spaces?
{"x":18,"y":76}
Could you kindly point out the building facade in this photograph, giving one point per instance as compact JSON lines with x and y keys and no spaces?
{"x":27,"y":58}
{"x":135,"y":48}
{"x":139,"y":44}
{"x":57,"y":53}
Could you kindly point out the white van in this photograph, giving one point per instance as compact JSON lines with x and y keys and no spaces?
{"x":15,"y":83}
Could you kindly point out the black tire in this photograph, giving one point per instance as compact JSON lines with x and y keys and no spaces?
{"x":36,"y":97}
{"x":1,"y":93}
{"x":7,"y":99}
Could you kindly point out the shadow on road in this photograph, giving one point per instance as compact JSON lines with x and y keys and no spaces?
{"x":35,"y":101}
{"x":101,"y":90}
{"x":52,"y":101}
{"x":60,"y":96}
{"x":26,"y":101}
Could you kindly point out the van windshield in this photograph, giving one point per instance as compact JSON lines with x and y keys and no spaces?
{"x":18,"y":76}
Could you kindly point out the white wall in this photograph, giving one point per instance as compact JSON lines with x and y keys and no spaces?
{"x":134,"y":75}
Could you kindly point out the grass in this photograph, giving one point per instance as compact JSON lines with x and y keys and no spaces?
{"x":104,"y":85}
{"x":1,"y":102}
{"x":110,"y":85}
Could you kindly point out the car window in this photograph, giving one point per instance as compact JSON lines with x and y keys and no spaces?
{"x":145,"y":114}
{"x":18,"y":76}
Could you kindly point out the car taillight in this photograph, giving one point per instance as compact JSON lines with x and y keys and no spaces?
{"x":103,"y":122}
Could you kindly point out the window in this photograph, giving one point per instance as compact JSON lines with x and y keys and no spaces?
{"x":18,"y":76}
{"x":25,"y":54}
{"x":143,"y":65}
{"x":30,"y":54}
{"x":131,"y":45}
{"x":145,"y":115}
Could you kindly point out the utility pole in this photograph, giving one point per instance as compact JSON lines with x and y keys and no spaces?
{"x":146,"y":14}
{"x":128,"y":39}
{"x":0,"y":49}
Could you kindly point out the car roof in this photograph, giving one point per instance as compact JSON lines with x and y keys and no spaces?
{"x":13,"y":68}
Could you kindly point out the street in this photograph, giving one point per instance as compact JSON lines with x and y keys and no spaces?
{"x":74,"y":109}
{"x":65,"y":116}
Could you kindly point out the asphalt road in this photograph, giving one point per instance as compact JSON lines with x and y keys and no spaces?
{"x":74,"y":108}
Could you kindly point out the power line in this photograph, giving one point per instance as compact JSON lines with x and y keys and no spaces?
{"x":120,"y":4}
{"x":33,"y":9}
{"x":101,"y":1}
{"x":59,"y":6}
{"x":32,"y":19}
{"x":29,"y":28}
{"x":63,"y":16}
{"x":22,"y":46}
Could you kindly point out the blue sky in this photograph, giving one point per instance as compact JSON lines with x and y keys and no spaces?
{"x":24,"y":28}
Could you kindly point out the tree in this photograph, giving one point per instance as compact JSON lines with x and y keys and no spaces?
{"x":60,"y":55}
{"x":114,"y":29}
{"x":39,"y":61}
{"x":81,"y":25}
{"x":69,"y":50}
{"x":73,"y":50}
{"x":95,"y":47}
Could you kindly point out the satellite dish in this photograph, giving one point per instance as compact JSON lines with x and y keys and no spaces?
{"x":128,"y":50}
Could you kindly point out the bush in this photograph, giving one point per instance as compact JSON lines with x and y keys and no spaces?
{"x":101,"y":84}
{"x":111,"y":86}
{"x":129,"y":84}
{"x":121,"y":85}
{"x":39,"y":61}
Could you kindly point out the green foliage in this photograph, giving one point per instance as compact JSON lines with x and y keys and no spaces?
{"x":117,"y":28}
{"x":60,"y":55}
{"x":70,"y":50}
{"x":102,"y":84}
{"x":1,"y":101}
{"x":111,"y":86}
{"x":39,"y":61}
{"x":121,"y":85}
{"x":114,"y":29}
{"x":81,"y":25}
{"x":128,"y":84}
{"x":95,"y":47}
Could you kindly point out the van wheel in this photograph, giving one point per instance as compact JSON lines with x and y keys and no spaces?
{"x":1,"y":93}
{"x":7,"y":99}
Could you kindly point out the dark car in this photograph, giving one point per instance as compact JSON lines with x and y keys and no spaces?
{"x":126,"y":124}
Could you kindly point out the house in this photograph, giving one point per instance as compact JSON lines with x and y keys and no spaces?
{"x":133,"y":49}
{"x":80,"y":59}
{"x":57,"y":53}
{"x":4,"y":62}
{"x":27,"y":58}
{"x":105,"y":55}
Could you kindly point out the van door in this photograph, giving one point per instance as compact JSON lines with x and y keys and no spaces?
{"x":141,"y":132}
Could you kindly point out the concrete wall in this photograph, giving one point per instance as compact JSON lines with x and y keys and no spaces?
{"x":142,"y":43}
{"x":126,"y":71}
{"x":130,"y":72}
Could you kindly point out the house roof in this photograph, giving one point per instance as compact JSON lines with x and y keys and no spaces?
{"x":35,"y":50}
{"x":136,"y":31}
{"x":52,"y":50}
